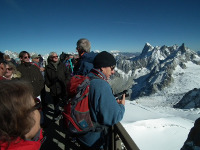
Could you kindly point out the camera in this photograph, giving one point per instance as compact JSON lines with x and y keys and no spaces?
{"x":120,"y":95}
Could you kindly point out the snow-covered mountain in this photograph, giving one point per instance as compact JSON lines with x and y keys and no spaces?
{"x":190,"y":100}
{"x":153,"y":70}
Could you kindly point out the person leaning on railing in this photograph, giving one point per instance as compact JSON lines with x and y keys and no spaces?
{"x":105,"y":109}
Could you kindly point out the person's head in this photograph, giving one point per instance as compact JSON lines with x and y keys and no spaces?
{"x":105,"y":62}
{"x":83,"y":45}
{"x":66,"y":56}
{"x":71,"y":56}
{"x":7,"y":57}
{"x":2,"y":67}
{"x":24,"y":56}
{"x":10,"y":69}
{"x":19,"y":116}
{"x":35,"y":58}
{"x":53,"y":57}
{"x":1,"y":56}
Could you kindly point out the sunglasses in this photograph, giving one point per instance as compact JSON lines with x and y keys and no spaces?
{"x":112,"y":68}
{"x":54,"y":56}
{"x":9,"y":69}
{"x":26,"y":57}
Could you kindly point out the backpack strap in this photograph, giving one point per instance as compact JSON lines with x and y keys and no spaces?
{"x":97,"y":126}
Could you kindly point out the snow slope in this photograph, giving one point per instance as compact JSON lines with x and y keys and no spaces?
{"x":158,"y":129}
{"x":153,"y":123}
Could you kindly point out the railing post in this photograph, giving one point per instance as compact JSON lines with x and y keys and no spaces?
{"x":118,"y":142}
{"x":112,"y":138}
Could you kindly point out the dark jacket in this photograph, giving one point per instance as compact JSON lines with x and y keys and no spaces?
{"x":84,"y":64}
{"x":57,"y":79}
{"x":104,"y":109}
{"x":32,"y":74}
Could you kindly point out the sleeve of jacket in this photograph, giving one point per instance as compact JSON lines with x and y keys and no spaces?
{"x":46,"y":77}
{"x":106,"y":109}
{"x":67,"y":75}
{"x":40,"y":81}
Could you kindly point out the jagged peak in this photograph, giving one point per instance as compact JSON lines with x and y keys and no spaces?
{"x":182,"y":47}
{"x":147,"y":47}
{"x":147,"y":44}
{"x":163,"y":47}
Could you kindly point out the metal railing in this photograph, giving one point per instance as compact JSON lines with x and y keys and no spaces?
{"x":121,"y":140}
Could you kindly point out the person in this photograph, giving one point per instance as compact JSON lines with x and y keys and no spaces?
{"x":36,"y":61}
{"x":193,"y":140}
{"x":2,"y":68}
{"x":40,"y":60}
{"x":11,"y":72}
{"x":30,"y":73}
{"x":105,"y":110}
{"x":63,"y":57}
{"x":69,"y":63}
{"x":8,"y":59}
{"x":19,"y":117}
{"x":56,"y":78}
{"x":85,"y":61}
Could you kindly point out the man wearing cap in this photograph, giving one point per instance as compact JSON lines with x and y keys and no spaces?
{"x":105,"y":109}
{"x":35,"y":60}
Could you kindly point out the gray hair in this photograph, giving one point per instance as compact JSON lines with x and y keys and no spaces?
{"x":52,"y":53}
{"x":84,"y":45}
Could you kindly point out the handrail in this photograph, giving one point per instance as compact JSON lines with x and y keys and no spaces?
{"x":119,"y":136}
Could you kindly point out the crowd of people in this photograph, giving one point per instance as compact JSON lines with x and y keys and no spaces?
{"x":22,"y":95}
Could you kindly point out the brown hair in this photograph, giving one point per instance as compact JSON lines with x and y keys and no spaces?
{"x":22,"y":53}
{"x":15,"y":115}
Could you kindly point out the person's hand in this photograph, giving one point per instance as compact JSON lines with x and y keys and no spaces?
{"x":122,"y":101}
{"x":42,"y":69}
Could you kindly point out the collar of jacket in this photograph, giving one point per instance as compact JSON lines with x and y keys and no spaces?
{"x":82,"y":53}
{"x":26,"y":64}
{"x":99,"y":74}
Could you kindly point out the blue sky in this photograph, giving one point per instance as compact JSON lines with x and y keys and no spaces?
{"x":43,"y":26}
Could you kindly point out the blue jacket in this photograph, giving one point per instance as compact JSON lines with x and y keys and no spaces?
{"x":103,"y":106}
{"x":85,"y":64}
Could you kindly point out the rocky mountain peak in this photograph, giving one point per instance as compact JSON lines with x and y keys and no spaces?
{"x":152,"y":70}
{"x":147,"y":48}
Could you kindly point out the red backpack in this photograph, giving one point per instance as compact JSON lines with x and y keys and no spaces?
{"x":76,"y":112}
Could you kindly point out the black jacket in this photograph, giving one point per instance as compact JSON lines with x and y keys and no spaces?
{"x":31,"y":73}
{"x":57,"y":79}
